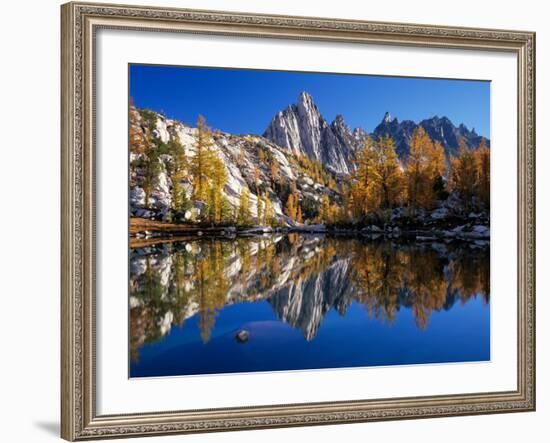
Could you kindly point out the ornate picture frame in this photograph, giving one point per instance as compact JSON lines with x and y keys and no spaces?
{"x":80,"y":22}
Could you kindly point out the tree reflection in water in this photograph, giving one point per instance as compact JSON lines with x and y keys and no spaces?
{"x":302,"y":277}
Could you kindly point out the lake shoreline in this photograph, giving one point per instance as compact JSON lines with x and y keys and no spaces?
{"x":145,"y":232}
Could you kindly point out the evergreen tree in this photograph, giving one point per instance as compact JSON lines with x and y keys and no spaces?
{"x":138,"y":141}
{"x":142,"y":144}
{"x":151,"y":170}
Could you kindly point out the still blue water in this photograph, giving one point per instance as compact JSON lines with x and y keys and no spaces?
{"x":358,"y":304}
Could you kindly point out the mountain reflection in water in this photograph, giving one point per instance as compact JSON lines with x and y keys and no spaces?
{"x":302,"y":279}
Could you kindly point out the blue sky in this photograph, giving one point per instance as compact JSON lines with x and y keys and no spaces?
{"x":245,"y":101}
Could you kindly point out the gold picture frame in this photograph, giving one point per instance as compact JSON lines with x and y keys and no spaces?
{"x":80,"y":21}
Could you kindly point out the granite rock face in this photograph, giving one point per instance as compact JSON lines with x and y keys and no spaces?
{"x":248,"y":160}
{"x":300,"y":128}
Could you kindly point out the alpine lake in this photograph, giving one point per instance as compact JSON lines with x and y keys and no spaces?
{"x":291,"y":301}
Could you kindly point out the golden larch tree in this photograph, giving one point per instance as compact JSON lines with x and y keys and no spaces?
{"x":463,"y":175}
{"x":243,"y":212}
{"x":364,"y":195}
{"x":256,"y":178}
{"x":259,"y":209}
{"x":201,"y":163}
{"x":324,"y":209}
{"x":291,"y":207}
{"x":138,"y":141}
{"x":436,"y":161}
{"x":240,"y":157}
{"x":483,"y":165}
{"x":261,"y":155}
{"x":268,"y":210}
{"x":299,"y":217}
{"x":422,"y":164}
{"x":274,"y":171}
{"x":178,"y":171}
{"x":217,"y":201}
{"x":388,"y":180}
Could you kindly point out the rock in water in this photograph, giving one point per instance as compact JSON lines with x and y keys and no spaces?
{"x":242,"y":336}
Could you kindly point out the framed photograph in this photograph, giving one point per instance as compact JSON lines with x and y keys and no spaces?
{"x":282,"y":221}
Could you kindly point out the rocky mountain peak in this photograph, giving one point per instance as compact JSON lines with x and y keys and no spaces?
{"x":307,"y":109}
{"x":302,"y":129}
{"x":339,"y":119}
{"x":339,"y":124}
{"x":305,"y":99}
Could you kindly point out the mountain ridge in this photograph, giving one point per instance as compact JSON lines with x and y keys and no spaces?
{"x":440,"y":129}
{"x":302,"y":129}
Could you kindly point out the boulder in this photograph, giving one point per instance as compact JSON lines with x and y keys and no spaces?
{"x":425,"y":238}
{"x":372,"y":228}
{"x":242,"y":336}
{"x":397,"y":213}
{"x":478,"y":231}
{"x":481,"y":229}
{"x":144,"y":213}
{"x":458,"y":229}
{"x":441,"y":248}
{"x":255,"y":230}
{"x":199,"y":206}
{"x":439,"y":213}
{"x":481,"y":243}
{"x":375,"y":236}
{"x":310,"y":228}
{"x":449,"y":234}
{"x":137,"y":196}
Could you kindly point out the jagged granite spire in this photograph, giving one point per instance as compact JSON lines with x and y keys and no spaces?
{"x":302,"y":129}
